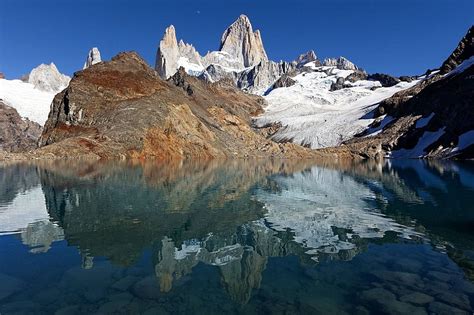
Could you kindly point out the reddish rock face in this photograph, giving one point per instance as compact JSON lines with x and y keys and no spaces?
{"x":2,"y":76}
{"x":122,"y":108}
{"x":17,"y":134}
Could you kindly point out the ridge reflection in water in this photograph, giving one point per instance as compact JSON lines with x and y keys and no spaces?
{"x":245,"y":237}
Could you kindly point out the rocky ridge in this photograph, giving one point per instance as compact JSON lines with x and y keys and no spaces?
{"x":241,"y":59}
{"x":123,"y":109}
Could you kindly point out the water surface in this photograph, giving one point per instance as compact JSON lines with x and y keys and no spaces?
{"x":237,"y":237}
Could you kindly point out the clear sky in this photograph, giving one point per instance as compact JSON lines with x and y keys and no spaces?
{"x":392,"y":36}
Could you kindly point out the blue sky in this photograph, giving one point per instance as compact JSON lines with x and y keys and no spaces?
{"x":397,"y":37}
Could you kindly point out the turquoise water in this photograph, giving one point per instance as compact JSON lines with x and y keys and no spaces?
{"x":237,"y":237}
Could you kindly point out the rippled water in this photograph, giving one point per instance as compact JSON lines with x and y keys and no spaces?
{"x":237,"y":237}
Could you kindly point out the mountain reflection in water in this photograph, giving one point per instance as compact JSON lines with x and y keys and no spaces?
{"x":160,"y":234}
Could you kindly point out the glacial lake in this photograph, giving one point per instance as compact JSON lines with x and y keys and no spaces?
{"x":248,"y":237}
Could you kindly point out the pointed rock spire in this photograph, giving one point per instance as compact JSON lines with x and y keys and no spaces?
{"x":240,"y":41}
{"x":168,"y":54}
{"x":93,"y":57}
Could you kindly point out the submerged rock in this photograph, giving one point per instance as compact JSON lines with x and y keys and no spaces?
{"x":9,"y":286}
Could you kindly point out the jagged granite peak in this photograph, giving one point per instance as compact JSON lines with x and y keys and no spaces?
{"x":188,"y":52}
{"x":93,"y":57}
{"x":168,"y":54}
{"x":48,"y":78}
{"x":341,"y":63}
{"x":303,"y":59}
{"x":463,"y":51}
{"x":241,"y":42}
{"x":172,"y":55}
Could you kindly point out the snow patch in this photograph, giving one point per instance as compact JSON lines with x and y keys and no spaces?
{"x":462,"y":67}
{"x":419,"y":150}
{"x":423,"y":122}
{"x":465,"y":140}
{"x":30,"y":102}
{"x":376,"y":130}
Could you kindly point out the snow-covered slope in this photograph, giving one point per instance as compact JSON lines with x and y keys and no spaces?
{"x":311,"y":114}
{"x":30,"y":102}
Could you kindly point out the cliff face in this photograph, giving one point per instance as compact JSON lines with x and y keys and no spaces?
{"x":17,"y":134}
{"x":433,"y":119}
{"x":123,"y":109}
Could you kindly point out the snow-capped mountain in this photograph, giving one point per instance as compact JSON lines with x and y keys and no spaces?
{"x":241,"y":58}
{"x":240,"y":47}
{"x":47,"y":78}
{"x":32,"y":96}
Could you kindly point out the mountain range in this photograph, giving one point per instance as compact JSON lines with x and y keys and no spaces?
{"x":235,"y":102}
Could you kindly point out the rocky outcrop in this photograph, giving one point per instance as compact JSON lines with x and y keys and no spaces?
{"x":123,"y":109}
{"x":338,"y":85}
{"x":284,"y":81}
{"x":48,"y":78}
{"x":2,"y":76}
{"x":340,"y":63}
{"x":463,"y":51}
{"x":215,"y":73}
{"x":93,"y":57}
{"x":17,"y":134}
{"x":357,"y":75}
{"x":303,"y":59}
{"x":258,"y":79}
{"x":384,"y":79}
{"x":239,"y":40}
